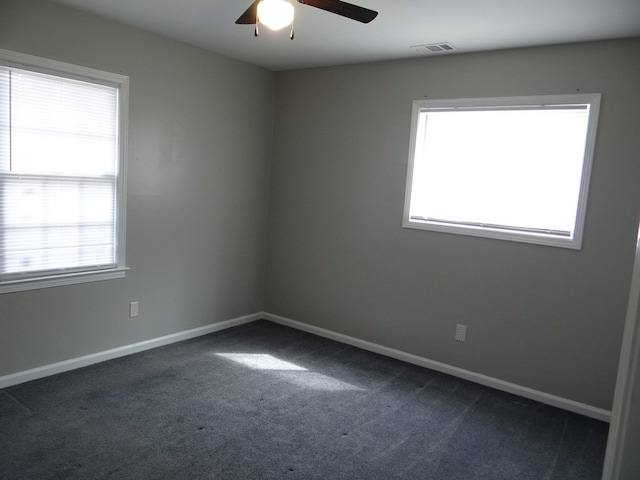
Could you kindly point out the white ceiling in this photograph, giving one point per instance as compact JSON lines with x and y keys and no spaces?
{"x":322,"y":38}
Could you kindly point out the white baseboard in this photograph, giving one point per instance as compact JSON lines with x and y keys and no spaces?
{"x":542,"y":397}
{"x":72,"y":364}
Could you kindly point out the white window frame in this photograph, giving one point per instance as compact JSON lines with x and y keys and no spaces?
{"x":121,"y":83}
{"x":574,"y":240}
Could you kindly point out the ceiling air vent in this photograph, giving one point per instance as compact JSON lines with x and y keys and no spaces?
{"x":430,"y":48}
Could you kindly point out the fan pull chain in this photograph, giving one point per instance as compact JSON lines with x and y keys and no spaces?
{"x":255,"y":32}
{"x":292,"y":34}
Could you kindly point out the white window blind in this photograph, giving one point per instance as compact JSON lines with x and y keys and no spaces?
{"x":59,"y":160}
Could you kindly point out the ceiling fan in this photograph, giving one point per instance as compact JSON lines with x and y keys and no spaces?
{"x":348,"y":10}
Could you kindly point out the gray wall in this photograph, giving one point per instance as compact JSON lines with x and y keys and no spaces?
{"x":546,"y":318}
{"x":199,"y":159}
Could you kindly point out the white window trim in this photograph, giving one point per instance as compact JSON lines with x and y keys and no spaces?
{"x":573,"y":242}
{"x":62,"y":69}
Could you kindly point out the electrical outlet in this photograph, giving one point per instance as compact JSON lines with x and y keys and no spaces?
{"x":461,"y":333}
{"x":133,"y":309}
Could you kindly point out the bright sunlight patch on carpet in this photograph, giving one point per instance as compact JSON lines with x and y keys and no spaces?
{"x":261,"y":361}
{"x":289,"y":371}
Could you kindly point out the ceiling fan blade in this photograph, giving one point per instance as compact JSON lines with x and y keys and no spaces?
{"x":250,"y":16}
{"x":345,"y":9}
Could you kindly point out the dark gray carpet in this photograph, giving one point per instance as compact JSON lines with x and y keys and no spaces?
{"x":332,"y":412}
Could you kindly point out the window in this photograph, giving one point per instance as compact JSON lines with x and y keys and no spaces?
{"x":506,"y":168}
{"x":62,"y":197}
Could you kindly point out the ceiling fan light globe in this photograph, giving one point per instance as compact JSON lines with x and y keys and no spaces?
{"x":275,"y":14}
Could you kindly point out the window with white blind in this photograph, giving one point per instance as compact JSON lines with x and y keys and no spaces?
{"x":506,"y":168}
{"x":62,"y":145}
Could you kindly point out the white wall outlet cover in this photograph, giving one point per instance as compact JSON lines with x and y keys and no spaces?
{"x":461,"y":333}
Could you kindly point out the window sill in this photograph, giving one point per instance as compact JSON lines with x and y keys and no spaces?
{"x":61,"y":280}
{"x":496,"y":234}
